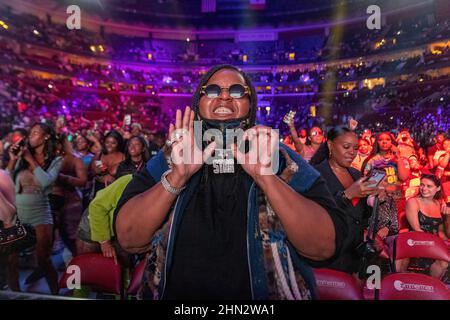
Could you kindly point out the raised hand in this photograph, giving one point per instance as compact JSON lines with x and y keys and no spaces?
{"x":186,"y":157}
{"x":258,"y":161}
{"x":352,"y":124}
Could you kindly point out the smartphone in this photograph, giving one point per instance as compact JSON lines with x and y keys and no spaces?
{"x":377,"y":176}
{"x":127,"y":120}
{"x":20,"y":145}
{"x":289,"y":116}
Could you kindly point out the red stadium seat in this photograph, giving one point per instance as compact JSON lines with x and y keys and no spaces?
{"x":96,"y":271}
{"x":412,"y":286}
{"x":403,"y":224}
{"x":136,"y":278}
{"x":418,"y":245}
{"x":337,"y":285}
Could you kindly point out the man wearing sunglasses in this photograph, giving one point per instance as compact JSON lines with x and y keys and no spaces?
{"x":216,"y":234}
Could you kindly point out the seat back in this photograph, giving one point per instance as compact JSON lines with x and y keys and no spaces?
{"x":96,"y":271}
{"x":419,"y":245}
{"x":337,"y":285}
{"x":136,"y":278}
{"x":412,"y":286}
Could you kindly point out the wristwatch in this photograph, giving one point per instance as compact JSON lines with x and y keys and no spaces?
{"x":168,"y":187}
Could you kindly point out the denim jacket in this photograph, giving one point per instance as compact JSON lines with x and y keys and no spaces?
{"x":275,"y":268}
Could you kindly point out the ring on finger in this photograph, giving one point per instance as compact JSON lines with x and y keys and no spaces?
{"x":170,"y":142}
{"x":178,"y":136}
{"x":293,"y":167}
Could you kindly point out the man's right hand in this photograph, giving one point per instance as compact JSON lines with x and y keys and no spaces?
{"x":185,"y":155}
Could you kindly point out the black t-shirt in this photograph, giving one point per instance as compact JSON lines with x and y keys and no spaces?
{"x":210,"y":250}
{"x":210,"y":253}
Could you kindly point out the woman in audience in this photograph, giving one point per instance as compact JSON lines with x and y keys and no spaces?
{"x":35,"y":169}
{"x":66,"y":199}
{"x":105,"y":164}
{"x":384,"y":156}
{"x":333,"y":160}
{"x":364,"y":149}
{"x":136,"y":155}
{"x":306,"y":147}
{"x":82,"y":146}
{"x":410,"y":188}
{"x":426,"y":213}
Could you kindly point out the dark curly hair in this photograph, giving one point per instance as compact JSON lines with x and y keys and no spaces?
{"x":49,"y":149}
{"x":118,"y":137}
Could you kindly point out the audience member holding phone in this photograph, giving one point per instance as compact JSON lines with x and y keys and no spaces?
{"x":333,"y":160}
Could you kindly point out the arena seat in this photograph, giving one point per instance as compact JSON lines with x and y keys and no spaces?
{"x":337,"y":285}
{"x":101,"y":274}
{"x":417,"y":245}
{"x":412,"y":286}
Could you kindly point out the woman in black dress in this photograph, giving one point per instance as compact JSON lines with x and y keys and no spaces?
{"x":333,"y":160}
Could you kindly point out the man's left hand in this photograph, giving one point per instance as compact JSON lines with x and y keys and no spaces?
{"x":258,"y":161}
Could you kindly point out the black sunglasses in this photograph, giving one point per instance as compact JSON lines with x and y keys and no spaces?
{"x":236,"y":91}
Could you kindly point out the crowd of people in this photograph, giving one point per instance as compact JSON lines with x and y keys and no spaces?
{"x":90,"y":161}
{"x":69,"y":179}
{"x":400,"y":34}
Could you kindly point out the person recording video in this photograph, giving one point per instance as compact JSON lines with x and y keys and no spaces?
{"x":34,"y":167}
